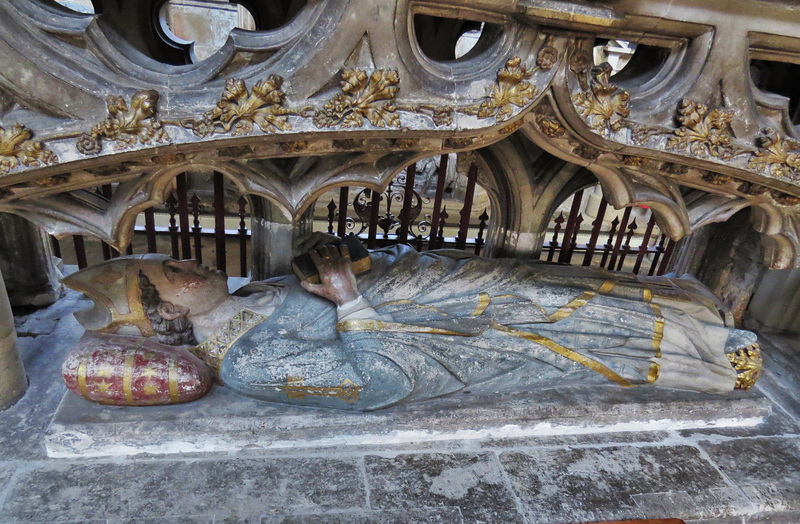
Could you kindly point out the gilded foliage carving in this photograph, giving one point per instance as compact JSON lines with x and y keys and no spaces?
{"x":748,"y":364}
{"x":549,"y":124}
{"x":777,"y":155}
{"x":125,"y":126}
{"x":240,"y":109}
{"x":579,"y":64}
{"x":603,"y":106}
{"x":511,"y":89}
{"x":363,"y":95}
{"x":703,"y":132}
{"x":17,"y":149}
{"x":716,"y":179}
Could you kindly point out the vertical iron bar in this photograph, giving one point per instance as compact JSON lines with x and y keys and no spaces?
{"x":183,"y":214}
{"x":573,"y":241}
{"x":331,"y":216}
{"x":342,"y":226}
{"x":172,"y":203}
{"x":242,"y":236}
{"x":481,"y":228}
{"x":596,"y":226}
{"x":645,"y":244}
{"x":609,"y":243}
{"x":80,"y":250}
{"x":667,"y":255}
{"x":620,"y":235}
{"x":466,"y":211}
{"x":196,"y":229}
{"x":374,"y":210}
{"x":554,"y":242}
{"x":574,"y":211}
{"x":129,"y":249}
{"x":627,"y":247}
{"x":659,"y":252}
{"x":442,"y":221}
{"x":150,"y":229}
{"x":408,"y":199}
{"x":437,"y":200}
{"x":219,"y":220}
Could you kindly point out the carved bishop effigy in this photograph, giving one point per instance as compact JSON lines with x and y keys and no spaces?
{"x":397,"y":327}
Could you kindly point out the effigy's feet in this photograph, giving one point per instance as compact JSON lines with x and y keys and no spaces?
{"x":133,"y":371}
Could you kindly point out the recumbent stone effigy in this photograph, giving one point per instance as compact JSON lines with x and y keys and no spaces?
{"x":415,"y":326}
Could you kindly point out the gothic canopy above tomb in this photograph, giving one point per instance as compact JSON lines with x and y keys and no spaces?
{"x":364,"y":87}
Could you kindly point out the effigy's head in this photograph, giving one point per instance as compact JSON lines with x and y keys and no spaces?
{"x":148,"y":295}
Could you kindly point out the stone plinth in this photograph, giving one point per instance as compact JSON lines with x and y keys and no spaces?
{"x":223,"y":421}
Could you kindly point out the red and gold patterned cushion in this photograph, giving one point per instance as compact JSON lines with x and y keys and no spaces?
{"x":134,"y":371}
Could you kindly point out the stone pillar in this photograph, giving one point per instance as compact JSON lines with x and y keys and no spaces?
{"x":732,"y":264}
{"x":26,"y":260}
{"x":273,"y":237}
{"x":12,"y":374}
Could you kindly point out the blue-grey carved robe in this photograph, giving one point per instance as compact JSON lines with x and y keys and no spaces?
{"x":447,"y":322}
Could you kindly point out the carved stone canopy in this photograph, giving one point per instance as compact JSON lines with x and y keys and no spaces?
{"x":348,"y":83}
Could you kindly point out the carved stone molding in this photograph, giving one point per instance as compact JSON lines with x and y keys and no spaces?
{"x":17,"y":149}
{"x":126,"y":126}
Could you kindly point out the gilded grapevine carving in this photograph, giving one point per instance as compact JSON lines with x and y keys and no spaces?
{"x":511,"y":89}
{"x":777,"y":155}
{"x":703,"y":132}
{"x":603,"y":106}
{"x":361,"y":98}
{"x":240,"y":109}
{"x":126,"y":126}
{"x":17,"y":149}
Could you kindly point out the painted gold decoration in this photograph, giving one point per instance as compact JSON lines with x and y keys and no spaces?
{"x":510,"y":128}
{"x":579,"y":64}
{"x":640,"y":133}
{"x":604,"y":106}
{"x":361,"y":97}
{"x":548,"y":55}
{"x":703,"y":132}
{"x":17,"y":149}
{"x":633,"y":161}
{"x":126,"y":126}
{"x":550,"y":125}
{"x":512,"y":89}
{"x":749,"y":188}
{"x":717,"y":179}
{"x":213,"y":350}
{"x":748,"y":364}
{"x":346,"y":391}
{"x":240,"y":109}
{"x":294,"y":146}
{"x":777,"y":155}
{"x":785,"y":199}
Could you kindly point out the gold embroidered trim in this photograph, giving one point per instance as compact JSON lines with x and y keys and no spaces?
{"x":82,"y":380}
{"x":582,"y":299}
{"x":213,"y":350}
{"x":564,"y":352}
{"x":484,"y":301}
{"x":658,"y":328}
{"x":173,"y":381}
{"x":655,"y":370}
{"x":364,"y":324}
{"x":295,"y":389}
{"x":127,"y":378}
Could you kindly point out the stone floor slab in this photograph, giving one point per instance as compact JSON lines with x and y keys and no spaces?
{"x":156,"y":489}
{"x":617,"y":483}
{"x":472,"y":482}
{"x":767,"y":469}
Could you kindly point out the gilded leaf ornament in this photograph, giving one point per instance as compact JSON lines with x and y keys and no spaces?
{"x":511,"y":89}
{"x":777,"y":155}
{"x":17,"y":149}
{"x":703,"y":132}
{"x":126,"y":126}
{"x":239,"y":109}
{"x":363,"y":95}
{"x":603,"y":106}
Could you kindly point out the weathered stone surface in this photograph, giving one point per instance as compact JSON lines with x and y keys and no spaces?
{"x":156,"y":488}
{"x":612,"y":483}
{"x":474,"y":483}
{"x":789,"y":517}
{"x":767,"y":469}
{"x":391,"y":516}
{"x":224,"y":421}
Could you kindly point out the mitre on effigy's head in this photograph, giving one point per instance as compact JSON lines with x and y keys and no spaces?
{"x":113,"y":285}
